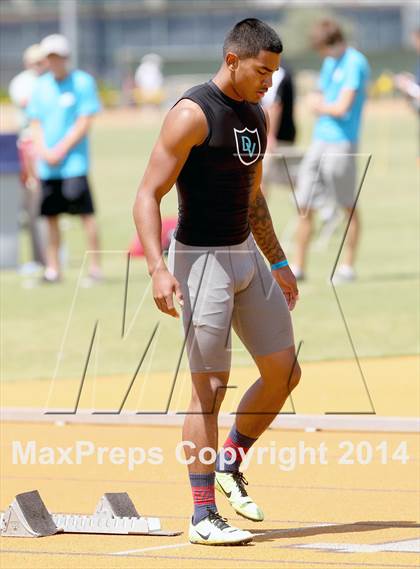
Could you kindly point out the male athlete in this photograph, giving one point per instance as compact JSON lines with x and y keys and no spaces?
{"x":211,"y":145}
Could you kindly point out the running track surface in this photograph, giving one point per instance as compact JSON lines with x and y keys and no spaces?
{"x":317,"y":515}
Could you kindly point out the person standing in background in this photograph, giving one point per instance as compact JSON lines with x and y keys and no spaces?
{"x":149,"y":80}
{"x":279,"y":104}
{"x":20,"y":91}
{"x":61,"y":110}
{"x":409,"y":83}
{"x":328,"y":170}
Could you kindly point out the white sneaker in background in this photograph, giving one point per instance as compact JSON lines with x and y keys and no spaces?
{"x":344,"y":274}
{"x":94,"y":277}
{"x":299,"y":274}
{"x":51,"y":276}
{"x":30,"y":268}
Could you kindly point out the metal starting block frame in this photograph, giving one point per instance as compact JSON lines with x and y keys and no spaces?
{"x":115,"y":514}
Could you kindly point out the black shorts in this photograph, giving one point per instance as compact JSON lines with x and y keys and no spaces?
{"x":66,"y":195}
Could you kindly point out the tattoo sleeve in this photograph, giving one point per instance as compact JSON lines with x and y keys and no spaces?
{"x":263,"y":231}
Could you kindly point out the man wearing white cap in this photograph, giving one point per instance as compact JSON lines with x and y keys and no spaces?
{"x":21,"y":86}
{"x":61,"y":110}
{"x":20,"y":91}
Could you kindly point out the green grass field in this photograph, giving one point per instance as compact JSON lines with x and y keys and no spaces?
{"x":381,"y":308}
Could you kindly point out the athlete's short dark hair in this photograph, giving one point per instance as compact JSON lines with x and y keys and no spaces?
{"x":248,"y":37}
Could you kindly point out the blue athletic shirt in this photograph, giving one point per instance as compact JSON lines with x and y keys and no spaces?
{"x":350,"y":71}
{"x":57,"y":105}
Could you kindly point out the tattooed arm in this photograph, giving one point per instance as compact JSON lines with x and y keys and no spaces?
{"x":265,"y":237}
{"x":262,"y":228}
{"x":260,"y":218}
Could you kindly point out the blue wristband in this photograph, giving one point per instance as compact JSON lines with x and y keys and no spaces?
{"x":279,"y":265}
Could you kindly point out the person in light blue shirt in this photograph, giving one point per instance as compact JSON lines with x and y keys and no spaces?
{"x":327,"y":175}
{"x":349,"y":71}
{"x":61,"y":109}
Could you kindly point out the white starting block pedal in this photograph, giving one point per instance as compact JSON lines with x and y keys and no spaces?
{"x":115,"y":513}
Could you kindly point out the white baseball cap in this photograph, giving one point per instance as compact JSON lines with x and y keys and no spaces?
{"x":33,"y":54}
{"x":55,"y":44}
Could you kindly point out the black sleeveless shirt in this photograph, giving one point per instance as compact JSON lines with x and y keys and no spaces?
{"x":215,"y":182}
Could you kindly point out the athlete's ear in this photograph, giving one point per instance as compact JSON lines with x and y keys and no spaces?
{"x":232,"y":61}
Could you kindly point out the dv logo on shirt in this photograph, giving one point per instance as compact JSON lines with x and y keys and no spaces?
{"x":248,"y":145}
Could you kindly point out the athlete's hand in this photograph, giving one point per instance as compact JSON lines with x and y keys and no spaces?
{"x":165,"y":286}
{"x":287,"y":282}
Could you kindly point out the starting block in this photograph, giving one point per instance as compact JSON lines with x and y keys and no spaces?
{"x":27,"y":516}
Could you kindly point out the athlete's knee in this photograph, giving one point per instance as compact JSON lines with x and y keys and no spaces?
{"x":208,"y":393}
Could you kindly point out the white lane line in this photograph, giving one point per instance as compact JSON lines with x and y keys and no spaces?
{"x":154,"y":548}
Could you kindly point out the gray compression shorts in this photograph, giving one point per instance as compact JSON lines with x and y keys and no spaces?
{"x":224,"y":286}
